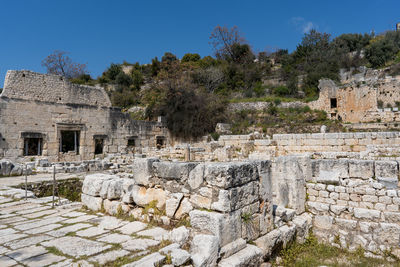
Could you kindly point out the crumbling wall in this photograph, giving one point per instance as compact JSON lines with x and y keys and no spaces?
{"x":28,"y":85}
{"x":44,"y":105}
{"x":355,"y":203}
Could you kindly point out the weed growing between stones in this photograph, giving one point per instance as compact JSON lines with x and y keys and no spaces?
{"x":246,"y":217}
{"x":311,"y":253}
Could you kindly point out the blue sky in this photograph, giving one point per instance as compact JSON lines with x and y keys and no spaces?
{"x":101,"y":32}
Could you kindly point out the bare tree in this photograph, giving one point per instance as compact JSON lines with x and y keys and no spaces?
{"x":224,"y":40}
{"x":59,"y":63}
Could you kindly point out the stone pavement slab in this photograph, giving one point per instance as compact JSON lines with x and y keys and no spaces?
{"x":6,"y":261}
{"x":109,"y":256}
{"x":43,"y":229}
{"x":22,"y":212}
{"x":80,"y":219}
{"x":29,"y":241}
{"x":115,"y":238}
{"x":3,"y":250}
{"x":108,"y":222}
{"x":154,"y":259}
{"x":92,"y":231}
{"x":132,"y":227}
{"x":26,"y":253}
{"x":74,"y":214}
{"x":7,"y":238}
{"x":139,"y":244}
{"x":68,"y":229}
{"x":76,"y":246}
{"x":40,"y":213}
{"x":157,"y":233}
{"x":7,"y":231}
{"x":42,"y":260}
{"x":38,"y":223}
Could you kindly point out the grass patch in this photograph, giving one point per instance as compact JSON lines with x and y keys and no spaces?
{"x":265,"y":99}
{"x":55,"y":251}
{"x":313,"y":254}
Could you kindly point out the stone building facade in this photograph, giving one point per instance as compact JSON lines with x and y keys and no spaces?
{"x":45,"y":115}
{"x":365,"y":96}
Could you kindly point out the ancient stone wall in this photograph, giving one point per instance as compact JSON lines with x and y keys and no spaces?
{"x":355,"y":203}
{"x":41,"y":106}
{"x":30,"y":85}
{"x":364,"y":97}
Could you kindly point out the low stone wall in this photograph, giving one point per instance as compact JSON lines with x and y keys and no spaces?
{"x":355,"y":203}
{"x":231,"y":202}
{"x":263,"y":105}
{"x":332,"y":142}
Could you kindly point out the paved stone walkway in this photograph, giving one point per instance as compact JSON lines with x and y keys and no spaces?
{"x":34,"y":234}
{"x":40,"y":177}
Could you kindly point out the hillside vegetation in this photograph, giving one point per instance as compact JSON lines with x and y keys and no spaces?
{"x":193,"y":92}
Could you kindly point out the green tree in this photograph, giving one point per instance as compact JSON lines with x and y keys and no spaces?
{"x":188,"y":57}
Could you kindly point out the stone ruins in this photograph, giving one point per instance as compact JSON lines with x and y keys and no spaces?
{"x":232,"y":202}
{"x":45,"y":115}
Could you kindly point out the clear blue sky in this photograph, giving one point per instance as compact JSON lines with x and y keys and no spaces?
{"x":101,"y":32}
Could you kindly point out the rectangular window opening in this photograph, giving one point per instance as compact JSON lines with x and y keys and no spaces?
{"x":98,"y":146}
{"x":160,"y":142}
{"x":33,"y":146}
{"x":333,"y":103}
{"x":69,"y":141}
{"x":131,"y":142}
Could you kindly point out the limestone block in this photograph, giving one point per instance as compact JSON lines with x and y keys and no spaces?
{"x":180,"y":235}
{"x":227,"y":174}
{"x":386,"y":169}
{"x":363,"y":169}
{"x":232,"y":247}
{"x":303,"y":224}
{"x":196,"y":176}
{"x":204,"y":250}
{"x":143,"y":170}
{"x":93,"y":203}
{"x":360,"y":213}
{"x":387,"y":233}
{"x":199,"y":201}
{"x":92,"y":183}
{"x":236,"y":198}
{"x":330,"y":171}
{"x":178,"y":171}
{"x":142,"y":196}
{"x":289,"y":174}
{"x":172,"y":204}
{"x":323,"y":222}
{"x":249,"y":256}
{"x":184,"y":208}
{"x":269,"y":242}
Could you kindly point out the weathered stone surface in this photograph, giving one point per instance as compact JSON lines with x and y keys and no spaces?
{"x":26,"y":253}
{"x":231,"y":248}
{"x":93,"y":203}
{"x":115,"y":238}
{"x":269,"y":242}
{"x":143,"y":170}
{"x":68,"y":229}
{"x":180,"y":235}
{"x":323,"y":222}
{"x":386,"y":169}
{"x":132,"y":227}
{"x":93,"y":183}
{"x":366,"y":214}
{"x":249,"y":256}
{"x":211,"y":222}
{"x":196,"y":176}
{"x":80,"y":219}
{"x":156,"y":233}
{"x":76,"y":246}
{"x":388,"y":234}
{"x":184,"y":208}
{"x":109,"y":222}
{"x":363,"y":169}
{"x":172,"y":204}
{"x":154,"y":259}
{"x":6,"y":261}
{"x":42,"y":260}
{"x":227,"y":175}
{"x":329,"y":171}
{"x":139,"y":244}
{"x":178,"y":171}
{"x":109,"y":256}
{"x":27,"y":241}
{"x":290,"y":174}
{"x":142,"y":196}
{"x":204,"y":250}
{"x":92,"y":231}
